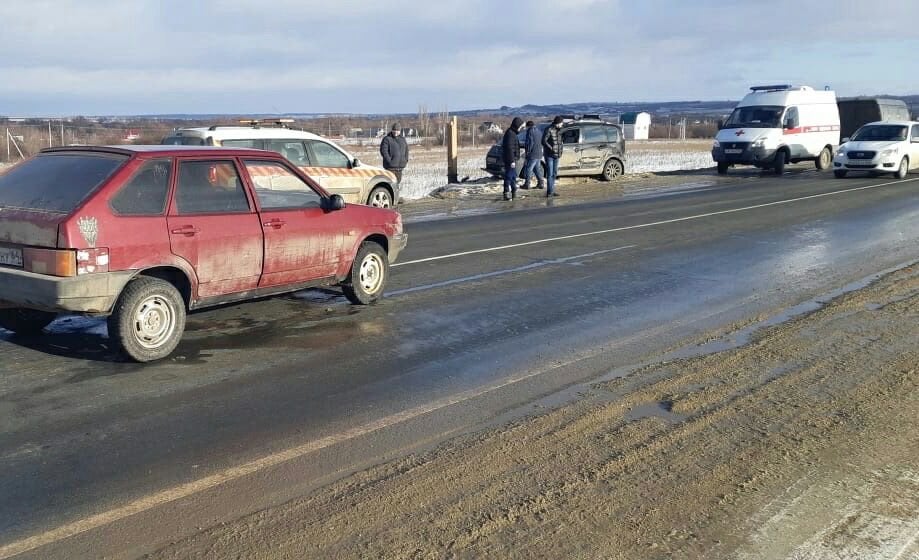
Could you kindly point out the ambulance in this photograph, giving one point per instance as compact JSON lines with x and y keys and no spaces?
{"x":776,"y":125}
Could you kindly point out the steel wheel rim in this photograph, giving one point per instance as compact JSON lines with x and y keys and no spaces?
{"x":380,"y":199}
{"x":825,"y":159}
{"x":154,"y":322}
{"x":371,"y":273}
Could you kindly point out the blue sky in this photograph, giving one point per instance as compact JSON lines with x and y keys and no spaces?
{"x":361,"y":56}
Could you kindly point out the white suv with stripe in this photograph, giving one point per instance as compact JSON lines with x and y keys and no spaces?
{"x":880,"y":147}
{"x":336,"y":170}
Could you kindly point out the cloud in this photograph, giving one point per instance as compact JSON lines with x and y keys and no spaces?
{"x":351,"y":55}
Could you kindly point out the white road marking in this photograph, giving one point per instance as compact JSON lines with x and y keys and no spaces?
{"x":502,"y":272}
{"x":649,"y":224}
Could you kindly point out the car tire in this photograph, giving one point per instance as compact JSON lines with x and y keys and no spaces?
{"x":778,"y":166}
{"x":722,"y":168}
{"x":148,"y":320}
{"x":840,"y":174}
{"x":903,"y":169}
{"x":380,"y":197}
{"x":25,"y":321}
{"x":612,"y":170}
{"x":369,"y":272}
{"x":824,"y":160}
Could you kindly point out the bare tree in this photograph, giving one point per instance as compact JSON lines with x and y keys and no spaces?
{"x":442,"y":119}
{"x":424,"y":120}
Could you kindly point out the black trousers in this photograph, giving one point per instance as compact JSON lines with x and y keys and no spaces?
{"x":397,"y":173}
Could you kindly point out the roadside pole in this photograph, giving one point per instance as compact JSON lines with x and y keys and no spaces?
{"x":452,"y":151}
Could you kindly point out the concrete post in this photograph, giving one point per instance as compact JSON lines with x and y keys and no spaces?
{"x":452,"y":151}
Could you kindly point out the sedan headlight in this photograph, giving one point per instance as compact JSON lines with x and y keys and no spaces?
{"x":759,"y":143}
{"x":716,"y":144}
{"x":841,"y":151}
{"x":888,"y":153}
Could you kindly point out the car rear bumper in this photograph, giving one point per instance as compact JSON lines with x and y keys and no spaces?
{"x":396,"y":245}
{"x":92,"y":293}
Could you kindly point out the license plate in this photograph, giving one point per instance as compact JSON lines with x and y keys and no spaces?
{"x":733,"y":151}
{"x":10,"y":256}
{"x":860,"y":162}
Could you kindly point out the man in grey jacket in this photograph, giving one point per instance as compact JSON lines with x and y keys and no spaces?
{"x":532,"y":149}
{"x":394,"y":150}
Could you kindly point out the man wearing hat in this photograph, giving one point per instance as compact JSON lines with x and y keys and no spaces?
{"x":552,"y":150}
{"x":394,"y":150}
{"x":510,"y":150}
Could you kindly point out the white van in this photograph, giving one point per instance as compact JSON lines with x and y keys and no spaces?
{"x":775,"y":125}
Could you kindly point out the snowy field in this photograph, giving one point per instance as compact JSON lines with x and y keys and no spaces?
{"x":427,"y":169}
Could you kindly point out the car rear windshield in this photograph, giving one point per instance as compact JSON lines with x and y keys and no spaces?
{"x":56,"y":182}
{"x":183,"y":141}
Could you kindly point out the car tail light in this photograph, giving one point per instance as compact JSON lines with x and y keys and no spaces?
{"x":50,"y":261}
{"x":92,"y":260}
{"x":65,"y":262}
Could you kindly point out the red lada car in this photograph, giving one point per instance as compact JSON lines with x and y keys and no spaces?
{"x":142,"y":234}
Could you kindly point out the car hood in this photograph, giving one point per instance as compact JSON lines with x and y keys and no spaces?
{"x":742,"y":134}
{"x":873,"y":145}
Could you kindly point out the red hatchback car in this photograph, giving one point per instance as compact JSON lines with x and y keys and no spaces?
{"x":142,"y":234}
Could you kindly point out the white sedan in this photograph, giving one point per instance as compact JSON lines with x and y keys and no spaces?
{"x":880,"y":147}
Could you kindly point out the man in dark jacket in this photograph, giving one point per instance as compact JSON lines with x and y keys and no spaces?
{"x":532,"y":149}
{"x":510,"y":149}
{"x":552,"y":151}
{"x":394,"y":150}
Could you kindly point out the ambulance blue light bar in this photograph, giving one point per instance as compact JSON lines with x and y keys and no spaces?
{"x":783,"y":87}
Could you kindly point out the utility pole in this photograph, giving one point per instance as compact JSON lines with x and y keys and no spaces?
{"x":49,"y":133}
{"x":62,"y":133}
{"x":452,"y":150}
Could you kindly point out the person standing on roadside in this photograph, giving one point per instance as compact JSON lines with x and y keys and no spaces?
{"x":394,"y":150}
{"x":532,"y":148}
{"x":552,"y":150}
{"x":510,"y":150}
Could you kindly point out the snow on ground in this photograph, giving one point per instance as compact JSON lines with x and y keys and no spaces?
{"x":427,"y":169}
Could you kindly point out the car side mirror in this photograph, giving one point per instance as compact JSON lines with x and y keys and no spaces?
{"x":356,"y":163}
{"x":334,"y":202}
{"x":844,"y":140}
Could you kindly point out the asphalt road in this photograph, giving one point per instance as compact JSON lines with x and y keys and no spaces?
{"x":265,"y":401}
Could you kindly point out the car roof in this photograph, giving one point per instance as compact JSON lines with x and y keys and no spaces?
{"x":221,"y":132}
{"x":162,"y":149}
{"x":894,"y":123}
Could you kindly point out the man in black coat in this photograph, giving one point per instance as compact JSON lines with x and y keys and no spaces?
{"x":394,"y":150}
{"x":552,"y":150}
{"x":510,"y":149}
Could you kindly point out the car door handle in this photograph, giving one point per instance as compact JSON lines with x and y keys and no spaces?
{"x":187,"y":231}
{"x":601,"y":148}
{"x":275,"y":223}
{"x":576,"y":150}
